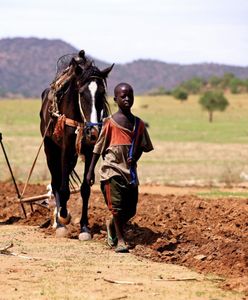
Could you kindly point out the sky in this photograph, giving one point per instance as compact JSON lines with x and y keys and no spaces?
{"x":121,"y":31}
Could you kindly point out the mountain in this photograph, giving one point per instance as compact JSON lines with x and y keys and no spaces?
{"x":28,"y":65}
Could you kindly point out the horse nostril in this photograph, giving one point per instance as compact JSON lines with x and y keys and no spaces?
{"x":88,"y":131}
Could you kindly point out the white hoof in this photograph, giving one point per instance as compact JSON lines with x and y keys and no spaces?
{"x":84,"y":236}
{"x":64,"y":221}
{"x":61,"y":232}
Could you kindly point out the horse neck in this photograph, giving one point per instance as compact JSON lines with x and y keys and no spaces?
{"x":69,"y":105}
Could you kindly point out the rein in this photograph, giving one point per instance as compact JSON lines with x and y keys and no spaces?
{"x":82,"y":131}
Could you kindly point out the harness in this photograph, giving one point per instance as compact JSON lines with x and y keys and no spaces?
{"x":85,"y":131}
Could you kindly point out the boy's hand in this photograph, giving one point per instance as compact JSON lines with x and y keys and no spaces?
{"x":90,"y":178}
{"x":131,"y":161}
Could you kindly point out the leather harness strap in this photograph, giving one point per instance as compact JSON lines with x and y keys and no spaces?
{"x":73,"y":123}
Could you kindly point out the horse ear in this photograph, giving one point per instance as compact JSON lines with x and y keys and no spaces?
{"x":73,"y":62}
{"x":106,"y":71}
{"x":81,"y":53}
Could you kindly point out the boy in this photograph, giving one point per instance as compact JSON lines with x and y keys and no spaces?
{"x":121,"y":143}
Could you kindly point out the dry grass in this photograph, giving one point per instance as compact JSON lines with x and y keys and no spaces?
{"x":188,"y":149}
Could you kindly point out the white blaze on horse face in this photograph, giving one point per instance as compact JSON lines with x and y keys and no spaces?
{"x":93,"y":87}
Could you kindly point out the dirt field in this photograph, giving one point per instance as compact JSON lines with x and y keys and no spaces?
{"x":172,"y":225}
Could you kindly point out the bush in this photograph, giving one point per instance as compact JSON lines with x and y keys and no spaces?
{"x":180,"y":94}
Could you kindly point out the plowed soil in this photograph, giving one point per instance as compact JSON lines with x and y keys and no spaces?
{"x":171,"y":225}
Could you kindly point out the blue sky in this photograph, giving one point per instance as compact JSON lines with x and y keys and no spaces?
{"x":120,"y":31}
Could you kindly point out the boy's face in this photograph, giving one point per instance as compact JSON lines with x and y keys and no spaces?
{"x":124,"y":97}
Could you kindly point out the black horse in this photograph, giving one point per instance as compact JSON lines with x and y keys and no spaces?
{"x":71,"y":115}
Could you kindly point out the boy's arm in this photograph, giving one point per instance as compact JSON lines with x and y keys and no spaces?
{"x":90,"y":177}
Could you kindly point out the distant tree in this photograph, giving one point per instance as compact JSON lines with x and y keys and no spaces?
{"x":213,"y":101}
{"x":180,"y":94}
{"x":245,"y":85}
{"x":214,"y":81}
{"x":159,"y":91}
{"x":194,"y":85}
{"x":235,"y":85}
{"x":226,"y":79}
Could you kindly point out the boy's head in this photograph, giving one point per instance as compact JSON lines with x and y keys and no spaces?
{"x":122,"y":86}
{"x":123,"y":95}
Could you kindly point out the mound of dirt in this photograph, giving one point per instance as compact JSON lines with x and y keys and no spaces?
{"x":210,"y":236}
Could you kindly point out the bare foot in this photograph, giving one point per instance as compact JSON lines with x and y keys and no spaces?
{"x":111,"y":237}
{"x":121,"y":247}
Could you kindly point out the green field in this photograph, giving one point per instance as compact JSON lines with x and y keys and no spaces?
{"x":188,"y":149}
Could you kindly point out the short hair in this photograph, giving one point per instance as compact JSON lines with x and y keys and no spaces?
{"x":119,"y":85}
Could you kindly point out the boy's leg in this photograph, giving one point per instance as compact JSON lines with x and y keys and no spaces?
{"x":130,"y":203}
{"x":111,"y":233}
{"x":113,"y":191}
{"x":121,"y":244}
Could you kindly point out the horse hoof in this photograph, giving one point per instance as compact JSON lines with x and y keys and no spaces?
{"x":64,"y":221}
{"x":84,"y":236}
{"x":61,"y":232}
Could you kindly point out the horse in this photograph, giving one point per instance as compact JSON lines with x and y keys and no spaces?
{"x":71,"y":116}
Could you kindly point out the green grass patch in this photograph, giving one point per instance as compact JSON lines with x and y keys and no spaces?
{"x":219,"y":194}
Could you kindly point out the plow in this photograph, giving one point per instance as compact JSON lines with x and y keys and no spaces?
{"x":31,"y":200}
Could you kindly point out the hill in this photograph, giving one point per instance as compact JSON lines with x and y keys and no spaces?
{"x":28,"y":65}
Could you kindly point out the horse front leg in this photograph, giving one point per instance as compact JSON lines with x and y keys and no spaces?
{"x":85,"y":190}
{"x":68,"y":163}
{"x":61,"y":215}
{"x":64,"y":216}
{"x":53,"y":155}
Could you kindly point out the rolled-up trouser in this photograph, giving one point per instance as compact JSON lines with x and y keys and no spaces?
{"x":120,"y":197}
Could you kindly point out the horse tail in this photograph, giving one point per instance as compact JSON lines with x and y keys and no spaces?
{"x":74,"y":179}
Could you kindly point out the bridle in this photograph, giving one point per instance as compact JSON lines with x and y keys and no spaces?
{"x":89,"y":124}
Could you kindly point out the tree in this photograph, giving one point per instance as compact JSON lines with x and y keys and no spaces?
{"x":214,"y":81}
{"x":180,"y":94}
{"x":213,"y":101}
{"x":225,"y":81}
{"x":235,"y":85}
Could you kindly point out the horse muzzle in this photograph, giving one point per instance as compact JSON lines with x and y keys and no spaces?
{"x":91,"y":134}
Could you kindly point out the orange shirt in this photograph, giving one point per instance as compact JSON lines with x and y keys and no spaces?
{"x":113,"y":144}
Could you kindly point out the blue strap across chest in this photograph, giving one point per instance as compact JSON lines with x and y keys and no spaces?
{"x":131,"y":152}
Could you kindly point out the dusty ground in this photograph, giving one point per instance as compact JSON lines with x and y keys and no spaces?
{"x":172,"y":225}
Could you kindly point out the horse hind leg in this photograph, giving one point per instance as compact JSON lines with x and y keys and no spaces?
{"x":57,"y":222}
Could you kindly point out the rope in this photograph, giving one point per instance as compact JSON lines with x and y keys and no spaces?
{"x":32,"y":168}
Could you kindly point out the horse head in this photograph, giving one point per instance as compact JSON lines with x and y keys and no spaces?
{"x":91,"y":85}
